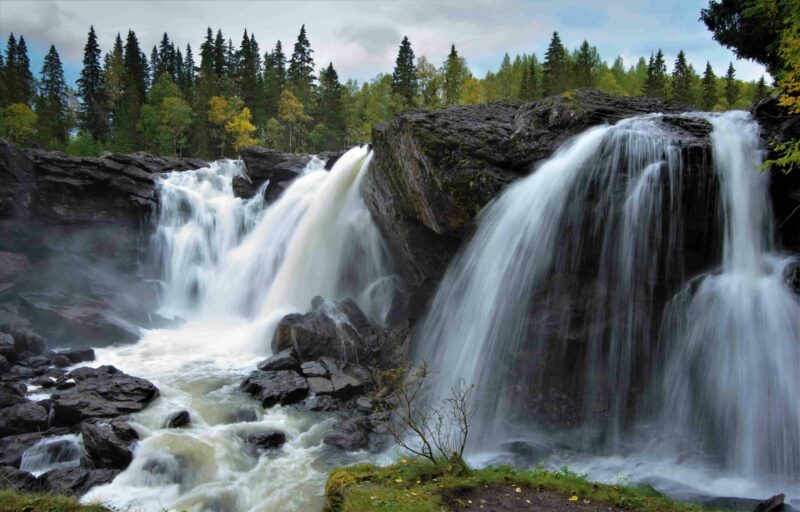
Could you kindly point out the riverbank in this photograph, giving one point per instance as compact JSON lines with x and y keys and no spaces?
{"x":413,"y":485}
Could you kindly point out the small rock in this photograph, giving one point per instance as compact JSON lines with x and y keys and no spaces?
{"x":105,"y":448}
{"x":266,"y":440}
{"x":320,"y":386}
{"x":774,"y":504}
{"x":178,"y":419}
{"x":11,"y":395}
{"x":313,"y":369}
{"x":324,"y":403}
{"x":348,"y":435}
{"x":283,"y":360}
{"x":364,"y":404}
{"x":7,"y":347}
{"x":244,"y":414}
{"x":61,"y":361}
{"x":79,"y":356}
{"x":283,"y":387}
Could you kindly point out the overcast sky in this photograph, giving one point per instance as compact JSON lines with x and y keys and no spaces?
{"x":361,"y":38}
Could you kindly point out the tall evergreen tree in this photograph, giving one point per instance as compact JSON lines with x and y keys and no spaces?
{"x":154,"y":64}
{"x":656,"y":82}
{"x":301,"y":68}
{"x":93,"y":112}
{"x":274,"y":79}
{"x":20,"y":84}
{"x":682,"y":80}
{"x":454,"y":75}
{"x":731,"y":86}
{"x":708,"y":88}
{"x":3,"y":95}
{"x":330,"y":108}
{"x":166,"y":60}
{"x":187,"y":72}
{"x":761,"y":90}
{"x":404,"y":77}
{"x":114,"y":77}
{"x":587,"y":65}
{"x":134,"y":90}
{"x":220,"y":52}
{"x":247,"y":75}
{"x":556,"y":77}
{"x":51,"y":106}
{"x":9,"y":78}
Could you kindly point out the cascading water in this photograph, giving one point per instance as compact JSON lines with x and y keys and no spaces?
{"x":553,"y":311}
{"x":232,"y":269}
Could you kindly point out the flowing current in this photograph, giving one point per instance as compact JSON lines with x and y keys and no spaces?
{"x":232,"y":269}
{"x":575,"y":312}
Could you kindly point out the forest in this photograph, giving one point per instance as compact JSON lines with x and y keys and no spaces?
{"x":229,"y":96}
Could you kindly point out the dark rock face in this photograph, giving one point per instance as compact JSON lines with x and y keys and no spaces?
{"x":283,"y":387}
{"x":331,"y":329}
{"x":434,"y":171}
{"x":791,"y":275}
{"x":12,"y":447}
{"x":75,"y":481}
{"x":178,"y":419}
{"x":283,"y":360}
{"x":266,"y":440}
{"x":348,"y":435}
{"x":104,"y":392}
{"x":13,"y":479}
{"x":22,"y":418}
{"x":280,"y":169}
{"x":107,"y":447}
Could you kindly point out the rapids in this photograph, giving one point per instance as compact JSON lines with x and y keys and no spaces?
{"x":231,"y":269}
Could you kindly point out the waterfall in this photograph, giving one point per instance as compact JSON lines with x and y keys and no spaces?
{"x":554,"y":308}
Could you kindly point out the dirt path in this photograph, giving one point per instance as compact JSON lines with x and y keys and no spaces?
{"x":505,"y":498}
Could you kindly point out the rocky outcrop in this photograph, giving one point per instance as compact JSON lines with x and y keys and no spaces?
{"x":108,"y":446}
{"x":280,"y":169}
{"x":434,"y":171}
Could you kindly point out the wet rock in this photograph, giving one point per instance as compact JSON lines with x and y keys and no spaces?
{"x":103,"y":392}
{"x":7,"y":347}
{"x":18,"y":372}
{"x":12,"y":447}
{"x":75,"y":481}
{"x":774,"y":504}
{"x":244,"y":414}
{"x":4,"y":364}
{"x":267,"y":439}
{"x":78,"y":356}
{"x":333,"y":329}
{"x":61,"y":361}
{"x":265,"y":164}
{"x":791,"y":275}
{"x":323,"y":403}
{"x":11,"y":265}
{"x":320,"y":386}
{"x":12,"y":478}
{"x":348,"y":380}
{"x":11,"y":395}
{"x":178,"y":419}
{"x":35,"y":361}
{"x":313,"y":369}
{"x":364,"y":404}
{"x":283,"y":387}
{"x":530,"y":452}
{"x":105,"y":447}
{"x":348,"y":435}
{"x":22,"y":418}
{"x":283,"y":360}
{"x":25,"y":340}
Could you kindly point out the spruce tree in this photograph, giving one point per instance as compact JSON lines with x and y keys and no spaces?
{"x":556,"y":77}
{"x":3,"y":95}
{"x":93,"y":112}
{"x":404,"y":77}
{"x":166,"y":59}
{"x":682,"y":80}
{"x":525,"y":84}
{"x":206,"y":87}
{"x":274,"y":79}
{"x":219,"y":54}
{"x":330,"y":108}
{"x":301,"y":68}
{"x":134,"y":90}
{"x":708,"y":87}
{"x":187,"y":72}
{"x":51,"y":108}
{"x":587,"y":64}
{"x":731,"y":86}
{"x":454,"y":75}
{"x":114,"y":77}
{"x":20,"y":84}
{"x":9,"y":77}
{"x":656,"y":82}
{"x":247,"y":76}
{"x":761,"y":90}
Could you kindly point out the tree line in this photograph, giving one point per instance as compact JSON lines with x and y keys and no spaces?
{"x":170,"y":102}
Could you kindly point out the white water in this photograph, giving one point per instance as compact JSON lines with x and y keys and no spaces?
{"x":555,"y":297}
{"x":233,"y":268}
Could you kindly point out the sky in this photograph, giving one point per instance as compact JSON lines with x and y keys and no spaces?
{"x":362,"y":38}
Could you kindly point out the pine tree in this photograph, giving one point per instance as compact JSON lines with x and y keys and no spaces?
{"x":656,"y":82}
{"x":708,"y":86}
{"x":330,"y":108}
{"x":134,"y":90}
{"x":454,"y":75}
{"x":206,"y":87}
{"x":682,"y":80}
{"x":9,"y":77}
{"x":219,"y":54}
{"x":274,"y":79}
{"x":761,"y":90}
{"x":301,"y":68}
{"x":91,"y":89}
{"x":3,"y":95}
{"x":404,"y":77}
{"x":731,"y":86}
{"x":556,"y":77}
{"x":247,"y":76}
{"x":187,"y":72}
{"x":587,"y":64}
{"x":166,"y":60}
{"x":19,"y":81}
{"x":52,"y":110}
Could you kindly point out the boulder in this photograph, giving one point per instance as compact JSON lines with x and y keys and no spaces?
{"x":267,"y":439}
{"x":283,"y":387}
{"x":348,"y":435}
{"x":791,"y":276}
{"x":7,"y":347}
{"x":264,"y":164}
{"x":178,"y":419}
{"x":75,"y":481}
{"x":320,"y":386}
{"x":60,"y":361}
{"x":313,"y":369}
{"x":103,"y":392}
{"x":334,"y":329}
{"x":12,"y":447}
{"x":347,"y":380}
{"x":78,"y":356}
{"x":434,"y":171}
{"x":105,"y":447}
{"x":25,"y":340}
{"x":13,"y":479}
{"x":22,"y":418}
{"x":11,"y":394}
{"x":283,"y":360}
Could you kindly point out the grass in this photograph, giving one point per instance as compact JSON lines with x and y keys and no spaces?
{"x":12,"y":501}
{"x":412,"y":485}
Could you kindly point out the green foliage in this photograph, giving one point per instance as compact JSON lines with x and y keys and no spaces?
{"x":83,"y":144}
{"x":656,"y":82}
{"x":166,"y":117}
{"x":682,"y":80}
{"x":412,"y":484}
{"x":19,"y":123}
{"x":301,"y":69}
{"x":12,"y":501}
{"x":454,"y":73}
{"x":731,"y":87}
{"x":557,"y":76}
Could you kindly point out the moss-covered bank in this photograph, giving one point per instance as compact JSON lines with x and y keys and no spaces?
{"x":13,"y":501}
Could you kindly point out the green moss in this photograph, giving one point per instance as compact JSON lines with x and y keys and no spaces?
{"x":12,"y":501}
{"x":413,"y":485}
